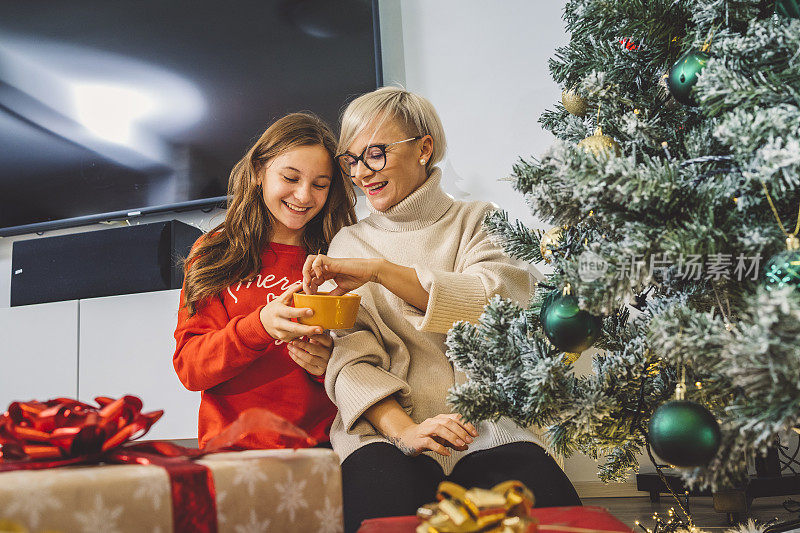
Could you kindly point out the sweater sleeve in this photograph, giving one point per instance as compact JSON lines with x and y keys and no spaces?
{"x":211,"y":348}
{"x":358,"y":373}
{"x":360,"y":370}
{"x":482,"y":270}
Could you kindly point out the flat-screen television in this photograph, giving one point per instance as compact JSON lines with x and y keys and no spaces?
{"x":110,"y":109}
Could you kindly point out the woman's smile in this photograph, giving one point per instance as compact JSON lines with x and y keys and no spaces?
{"x":374,"y":188}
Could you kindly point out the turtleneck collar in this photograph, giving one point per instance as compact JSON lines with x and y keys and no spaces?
{"x":418,"y":210}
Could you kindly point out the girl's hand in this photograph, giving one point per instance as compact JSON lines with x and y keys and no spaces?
{"x":436,"y":434}
{"x":348,"y":274}
{"x":312,"y":354}
{"x":276,"y":317}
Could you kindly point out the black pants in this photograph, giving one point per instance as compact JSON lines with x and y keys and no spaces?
{"x":378,"y":480}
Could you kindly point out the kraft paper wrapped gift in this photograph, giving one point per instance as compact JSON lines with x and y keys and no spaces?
{"x":256,"y":490}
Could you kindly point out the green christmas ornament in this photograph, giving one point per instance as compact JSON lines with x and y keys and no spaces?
{"x":788,"y":8}
{"x":684,"y":73}
{"x":565,"y":325}
{"x":684,"y":433}
{"x":783,"y":269}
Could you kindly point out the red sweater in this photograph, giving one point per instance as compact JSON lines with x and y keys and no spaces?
{"x":224,"y":351}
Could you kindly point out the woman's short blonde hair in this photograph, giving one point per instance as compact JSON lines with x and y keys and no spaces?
{"x":415,"y":114}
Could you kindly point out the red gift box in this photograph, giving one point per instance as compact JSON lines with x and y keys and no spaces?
{"x":551,"y":519}
{"x":583,"y":519}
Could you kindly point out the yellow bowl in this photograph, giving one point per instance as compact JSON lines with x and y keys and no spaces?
{"x":330,"y":312}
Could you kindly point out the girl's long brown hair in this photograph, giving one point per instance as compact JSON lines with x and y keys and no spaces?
{"x":231,"y":252}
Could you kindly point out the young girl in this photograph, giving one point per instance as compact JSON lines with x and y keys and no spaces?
{"x":235,"y":340}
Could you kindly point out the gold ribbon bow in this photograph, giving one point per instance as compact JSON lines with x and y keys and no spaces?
{"x":503,"y":509}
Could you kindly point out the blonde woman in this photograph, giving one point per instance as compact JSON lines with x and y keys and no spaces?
{"x":420,"y":261}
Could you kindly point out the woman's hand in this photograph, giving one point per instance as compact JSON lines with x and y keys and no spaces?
{"x":276,"y":317}
{"x":312,"y":354}
{"x":436,"y":434}
{"x":348,"y":274}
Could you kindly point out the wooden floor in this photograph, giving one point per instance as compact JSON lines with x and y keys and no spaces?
{"x":640,"y":508}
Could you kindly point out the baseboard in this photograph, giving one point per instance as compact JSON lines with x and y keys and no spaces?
{"x":598,"y":489}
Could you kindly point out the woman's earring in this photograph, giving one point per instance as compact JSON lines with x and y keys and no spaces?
{"x":422,"y":161}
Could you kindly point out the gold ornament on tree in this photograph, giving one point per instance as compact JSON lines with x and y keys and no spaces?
{"x":549,"y":238}
{"x":574,"y":103}
{"x":600,"y":143}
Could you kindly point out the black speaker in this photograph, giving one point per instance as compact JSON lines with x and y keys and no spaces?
{"x":124,"y":260}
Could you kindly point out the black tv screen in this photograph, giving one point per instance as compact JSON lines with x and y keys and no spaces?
{"x":110,"y":108}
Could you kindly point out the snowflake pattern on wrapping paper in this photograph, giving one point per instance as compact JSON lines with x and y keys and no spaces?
{"x":292,"y":498}
{"x":324,"y":468}
{"x":33,"y":502}
{"x":254,"y":525}
{"x":330,"y":518}
{"x":99,"y":517}
{"x":152,"y":490}
{"x":248,"y":474}
{"x":221,"y":495}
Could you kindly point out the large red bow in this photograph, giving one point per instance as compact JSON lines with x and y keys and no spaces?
{"x":65,"y":431}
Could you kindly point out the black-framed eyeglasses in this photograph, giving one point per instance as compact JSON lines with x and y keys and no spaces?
{"x":373,"y":157}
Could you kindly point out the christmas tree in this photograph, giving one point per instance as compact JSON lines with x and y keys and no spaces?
{"x":674,"y":188}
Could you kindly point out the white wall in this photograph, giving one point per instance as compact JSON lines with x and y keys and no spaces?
{"x":484,"y":67}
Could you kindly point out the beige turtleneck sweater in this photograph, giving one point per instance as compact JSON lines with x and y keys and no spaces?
{"x":397,"y":349}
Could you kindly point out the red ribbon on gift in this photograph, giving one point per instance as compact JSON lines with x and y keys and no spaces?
{"x":37,"y":435}
{"x":194,"y":498}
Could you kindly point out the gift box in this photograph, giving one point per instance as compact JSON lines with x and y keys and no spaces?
{"x":256,"y":490}
{"x":551,"y":520}
{"x":67,"y":466}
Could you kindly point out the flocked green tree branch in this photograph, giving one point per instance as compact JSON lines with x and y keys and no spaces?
{"x":688,"y":182}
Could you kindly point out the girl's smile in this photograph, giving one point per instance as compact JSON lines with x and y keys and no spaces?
{"x":295,"y":188}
